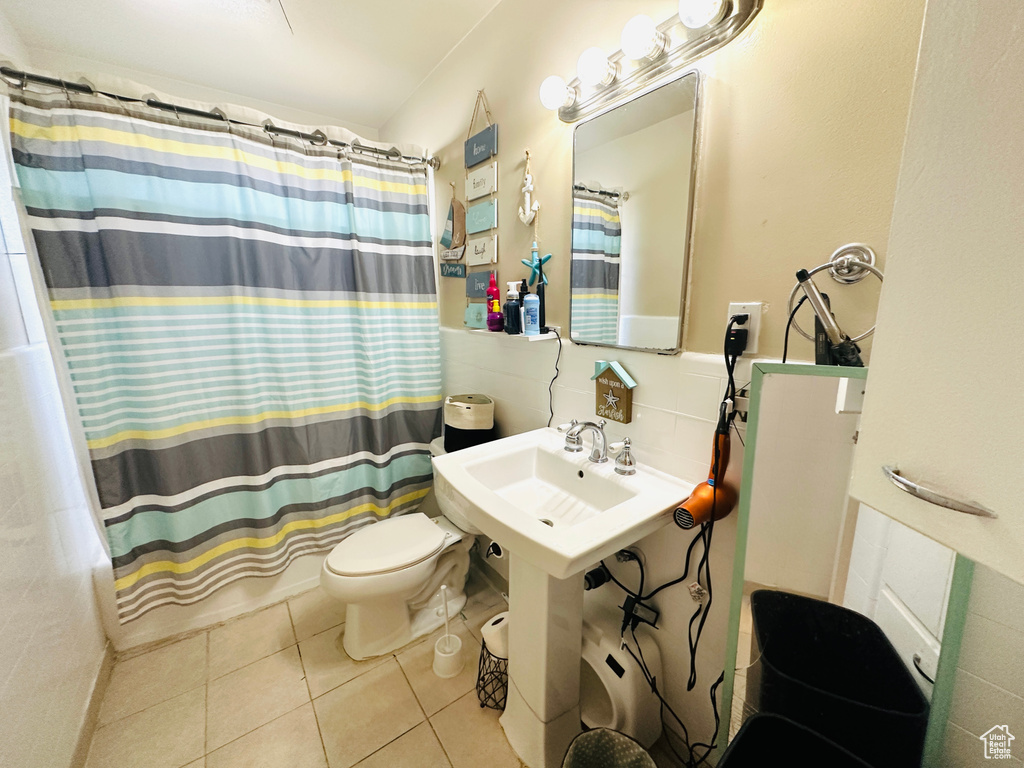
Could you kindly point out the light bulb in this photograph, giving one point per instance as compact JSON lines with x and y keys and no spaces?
{"x":593,"y":67}
{"x":697,"y":14}
{"x":641,"y":38}
{"x":554,"y":93}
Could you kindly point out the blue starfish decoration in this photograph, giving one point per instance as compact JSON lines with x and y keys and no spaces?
{"x":536,"y":265}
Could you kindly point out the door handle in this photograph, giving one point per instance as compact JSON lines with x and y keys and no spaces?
{"x":914,"y":489}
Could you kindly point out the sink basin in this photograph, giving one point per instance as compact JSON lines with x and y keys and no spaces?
{"x":557,"y":510}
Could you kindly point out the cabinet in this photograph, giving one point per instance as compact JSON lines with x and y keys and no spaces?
{"x":943,"y":402}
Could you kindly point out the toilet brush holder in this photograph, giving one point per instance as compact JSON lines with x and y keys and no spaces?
{"x":448,"y":661}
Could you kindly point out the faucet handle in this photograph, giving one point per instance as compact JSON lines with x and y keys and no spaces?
{"x":625,"y":464}
{"x":573,"y":442}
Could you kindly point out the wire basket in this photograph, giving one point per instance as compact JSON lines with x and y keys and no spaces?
{"x":491,"y":679}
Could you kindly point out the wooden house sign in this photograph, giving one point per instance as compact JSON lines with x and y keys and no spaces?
{"x":614,"y":398}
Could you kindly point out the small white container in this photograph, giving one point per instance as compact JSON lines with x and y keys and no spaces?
{"x":448,"y":661}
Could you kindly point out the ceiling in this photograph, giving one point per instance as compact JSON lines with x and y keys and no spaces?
{"x":353,"y":61}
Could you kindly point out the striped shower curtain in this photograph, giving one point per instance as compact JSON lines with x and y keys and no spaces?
{"x":251,"y":334}
{"x":596,"y":245}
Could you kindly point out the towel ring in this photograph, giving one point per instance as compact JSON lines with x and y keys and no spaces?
{"x":850,"y":264}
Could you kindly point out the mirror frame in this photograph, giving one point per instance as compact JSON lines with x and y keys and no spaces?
{"x":698,"y":112}
{"x":959,"y":593}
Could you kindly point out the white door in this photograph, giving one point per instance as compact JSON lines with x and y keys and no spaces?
{"x":944,"y":401}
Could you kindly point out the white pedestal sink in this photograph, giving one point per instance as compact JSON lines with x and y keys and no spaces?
{"x":557,"y":514}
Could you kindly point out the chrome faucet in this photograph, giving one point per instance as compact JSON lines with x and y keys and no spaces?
{"x":599,"y":453}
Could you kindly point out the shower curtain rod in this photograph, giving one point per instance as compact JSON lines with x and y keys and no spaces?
{"x":317,"y":138}
{"x":624,"y":196}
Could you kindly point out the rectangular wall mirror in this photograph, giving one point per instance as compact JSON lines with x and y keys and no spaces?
{"x":633,"y":171}
{"x":833,"y":603}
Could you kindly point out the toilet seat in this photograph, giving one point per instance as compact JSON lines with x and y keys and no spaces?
{"x":388,"y":546}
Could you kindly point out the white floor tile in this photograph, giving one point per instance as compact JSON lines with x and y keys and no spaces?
{"x":253,"y":696}
{"x":366,"y":714}
{"x":250,"y":638}
{"x":140,"y":682}
{"x":167,"y":735}
{"x":314,"y":612}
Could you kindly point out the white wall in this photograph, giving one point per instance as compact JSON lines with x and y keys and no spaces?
{"x":12,"y":47}
{"x":989,"y":686}
{"x":674,"y":408}
{"x":52,"y":644}
{"x":110,"y":77}
{"x":784,"y":175}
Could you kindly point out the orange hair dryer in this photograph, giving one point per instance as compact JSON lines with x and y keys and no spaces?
{"x":712,"y":499}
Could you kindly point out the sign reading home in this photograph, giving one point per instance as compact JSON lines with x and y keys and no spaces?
{"x":614,"y":391}
{"x":482,"y":146}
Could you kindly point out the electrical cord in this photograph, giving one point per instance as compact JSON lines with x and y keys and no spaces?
{"x":551,"y":397}
{"x":690,"y":761}
{"x":705,"y":536}
{"x":789,"y":324}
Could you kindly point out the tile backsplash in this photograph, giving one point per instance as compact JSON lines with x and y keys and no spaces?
{"x":989,"y":688}
{"x":674,"y":405}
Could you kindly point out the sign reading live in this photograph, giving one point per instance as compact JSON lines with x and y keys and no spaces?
{"x":482,"y":146}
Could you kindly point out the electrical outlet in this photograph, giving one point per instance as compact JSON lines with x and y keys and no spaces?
{"x":753,"y":326}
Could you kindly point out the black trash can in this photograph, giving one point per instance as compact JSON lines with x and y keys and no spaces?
{"x":834,"y":671}
{"x":774,"y":740}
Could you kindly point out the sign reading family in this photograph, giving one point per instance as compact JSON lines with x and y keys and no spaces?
{"x":614,"y":396}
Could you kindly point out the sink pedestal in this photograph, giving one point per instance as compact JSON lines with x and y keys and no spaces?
{"x":542,"y":714}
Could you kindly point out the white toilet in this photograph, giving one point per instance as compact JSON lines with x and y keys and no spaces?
{"x":613,"y":691}
{"x":389,"y":575}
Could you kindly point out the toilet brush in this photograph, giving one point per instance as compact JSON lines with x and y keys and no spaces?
{"x":448,"y":648}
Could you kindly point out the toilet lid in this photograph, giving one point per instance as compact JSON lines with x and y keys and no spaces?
{"x":387,"y":546}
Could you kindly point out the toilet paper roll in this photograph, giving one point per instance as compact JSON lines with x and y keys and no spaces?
{"x":495,"y":633}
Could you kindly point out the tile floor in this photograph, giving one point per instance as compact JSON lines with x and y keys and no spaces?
{"x":275,"y":689}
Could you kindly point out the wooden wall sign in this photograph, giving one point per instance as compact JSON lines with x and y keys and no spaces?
{"x":482,"y":250}
{"x":476,"y":316}
{"x":614,"y":391}
{"x":482,"y":146}
{"x":483,"y":181}
{"x":482,"y":216}
{"x":453,"y":270}
{"x":477,"y":284}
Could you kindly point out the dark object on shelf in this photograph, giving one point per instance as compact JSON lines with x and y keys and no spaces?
{"x":763,"y":739}
{"x":491,"y":679}
{"x":834,"y":671}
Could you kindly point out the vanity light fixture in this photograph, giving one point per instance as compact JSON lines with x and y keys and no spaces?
{"x":697,"y":14}
{"x":651,"y":55}
{"x":593,"y":68}
{"x":641,"y":39}
{"x":555,"y":93}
